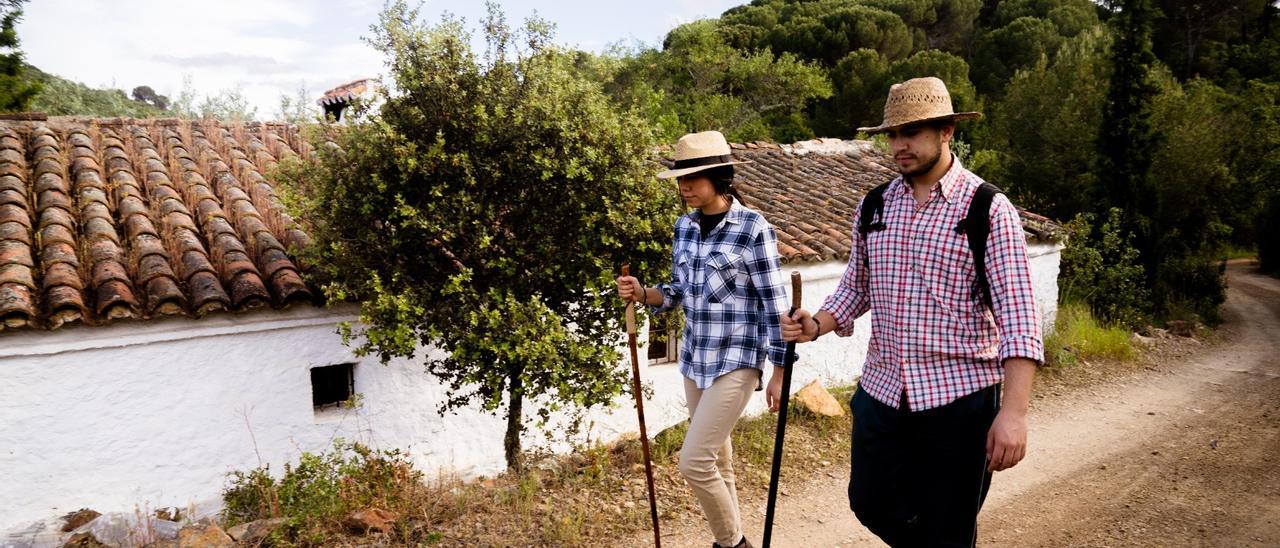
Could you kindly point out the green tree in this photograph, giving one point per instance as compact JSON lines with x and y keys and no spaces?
{"x":148,"y":96}
{"x":1255,"y":163}
{"x":228,"y":104}
{"x":747,"y":95}
{"x":1045,"y":128}
{"x":862,"y":80}
{"x":62,"y":97}
{"x":483,"y":210}
{"x":1020,"y":44}
{"x":1192,"y":161}
{"x":1101,"y":268}
{"x":935,"y":24}
{"x":1127,"y":141}
{"x":1268,"y":225}
{"x":1070,"y":16}
{"x":298,"y":109}
{"x":821,"y":30}
{"x":16,"y":89}
{"x":184,"y":105}
{"x":1193,"y":36}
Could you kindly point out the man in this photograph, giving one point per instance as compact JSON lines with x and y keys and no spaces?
{"x":929,"y":424}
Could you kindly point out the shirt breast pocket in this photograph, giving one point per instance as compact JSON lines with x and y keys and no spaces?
{"x":723,"y":270}
{"x":682,"y":271}
{"x":952,"y":273}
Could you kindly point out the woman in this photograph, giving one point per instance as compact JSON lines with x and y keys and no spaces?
{"x":726,"y":274}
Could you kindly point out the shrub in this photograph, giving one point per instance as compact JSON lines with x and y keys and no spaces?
{"x":1100,"y":268}
{"x":1268,"y":223}
{"x":314,"y":495}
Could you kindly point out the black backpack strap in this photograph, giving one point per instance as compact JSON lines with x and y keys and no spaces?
{"x":871,"y":215}
{"x":976,"y":225}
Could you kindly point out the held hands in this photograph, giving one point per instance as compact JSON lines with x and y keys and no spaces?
{"x":800,"y":326}
{"x":629,"y":288}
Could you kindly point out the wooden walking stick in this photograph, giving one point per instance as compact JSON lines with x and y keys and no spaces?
{"x":639,"y":396}
{"x":782,"y":417}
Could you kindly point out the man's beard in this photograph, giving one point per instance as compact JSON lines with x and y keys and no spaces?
{"x":924,"y":167}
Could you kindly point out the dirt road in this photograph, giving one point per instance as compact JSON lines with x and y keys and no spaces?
{"x":1183,"y":453}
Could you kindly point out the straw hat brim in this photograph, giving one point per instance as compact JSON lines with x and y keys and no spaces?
{"x":959,"y":116}
{"x":673,"y":173}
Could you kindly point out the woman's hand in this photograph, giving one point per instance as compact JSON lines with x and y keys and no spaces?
{"x":773,"y":392}
{"x":628,"y":288}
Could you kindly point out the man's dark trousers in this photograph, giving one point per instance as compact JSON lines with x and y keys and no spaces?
{"x":918,"y":479}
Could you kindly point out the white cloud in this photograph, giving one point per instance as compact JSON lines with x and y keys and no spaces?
{"x":269,"y":48}
{"x":264,"y":47}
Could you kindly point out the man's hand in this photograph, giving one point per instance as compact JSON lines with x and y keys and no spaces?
{"x":773,"y":392}
{"x":1007,"y":440}
{"x":799,"y":326}
{"x":628,"y":288}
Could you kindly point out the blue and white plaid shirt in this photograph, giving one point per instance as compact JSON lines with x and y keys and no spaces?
{"x":733,"y":295}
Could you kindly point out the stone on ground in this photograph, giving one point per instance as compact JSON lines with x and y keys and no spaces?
{"x":818,"y":401}
{"x":78,"y":518}
{"x":254,"y":532}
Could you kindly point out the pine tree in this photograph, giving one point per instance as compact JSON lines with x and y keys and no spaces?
{"x":15,"y":91}
{"x":1127,"y":142}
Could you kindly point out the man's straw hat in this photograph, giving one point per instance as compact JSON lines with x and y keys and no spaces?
{"x":700,"y":151}
{"x":918,"y":100}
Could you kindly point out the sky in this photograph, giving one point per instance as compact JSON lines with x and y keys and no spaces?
{"x":269,"y":48}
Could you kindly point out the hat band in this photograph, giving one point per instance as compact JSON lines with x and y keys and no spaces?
{"x":704,"y":161}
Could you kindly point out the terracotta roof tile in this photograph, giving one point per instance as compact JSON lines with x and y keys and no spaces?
{"x":109,"y":219}
{"x":346,"y":92}
{"x":810,"y":190}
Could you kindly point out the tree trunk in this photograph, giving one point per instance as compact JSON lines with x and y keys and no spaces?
{"x":515,"y":410}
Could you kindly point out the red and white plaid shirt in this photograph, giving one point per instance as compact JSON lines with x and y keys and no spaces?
{"x":929,"y":334}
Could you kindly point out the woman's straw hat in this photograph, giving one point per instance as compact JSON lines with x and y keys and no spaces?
{"x":700,"y":151}
{"x":918,"y":100}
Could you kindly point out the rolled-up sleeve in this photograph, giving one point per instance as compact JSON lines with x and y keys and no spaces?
{"x":1013,"y":302}
{"x":851,"y":298}
{"x":765,"y":269}
{"x":672,"y":295}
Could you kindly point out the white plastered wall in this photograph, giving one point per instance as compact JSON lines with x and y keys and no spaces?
{"x":157,"y":413}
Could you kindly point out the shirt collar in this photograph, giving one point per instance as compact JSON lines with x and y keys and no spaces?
{"x":734,"y":215}
{"x":947,"y":185}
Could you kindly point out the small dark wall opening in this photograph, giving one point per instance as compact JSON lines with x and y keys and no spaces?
{"x":333,"y":111}
{"x":664,"y":342}
{"x":332,"y":385}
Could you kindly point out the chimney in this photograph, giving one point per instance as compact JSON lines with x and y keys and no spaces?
{"x":338,"y":99}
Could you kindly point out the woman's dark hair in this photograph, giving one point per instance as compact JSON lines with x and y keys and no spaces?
{"x":722,"y":180}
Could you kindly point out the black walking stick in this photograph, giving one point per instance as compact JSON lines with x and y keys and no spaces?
{"x":782,"y":417}
{"x":639,"y":396}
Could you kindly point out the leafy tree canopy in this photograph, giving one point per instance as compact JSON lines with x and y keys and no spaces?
{"x":698,"y":82}
{"x":483,"y":210}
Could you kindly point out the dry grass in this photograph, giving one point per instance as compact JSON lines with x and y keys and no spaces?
{"x":594,"y":496}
